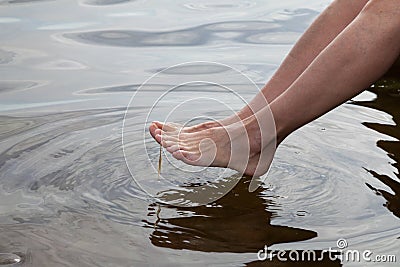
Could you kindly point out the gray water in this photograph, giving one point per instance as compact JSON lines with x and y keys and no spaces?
{"x":68,"y":70}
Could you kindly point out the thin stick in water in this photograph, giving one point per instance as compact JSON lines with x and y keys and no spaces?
{"x":159,"y":162}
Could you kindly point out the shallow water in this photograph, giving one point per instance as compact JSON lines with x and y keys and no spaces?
{"x":67,"y":72}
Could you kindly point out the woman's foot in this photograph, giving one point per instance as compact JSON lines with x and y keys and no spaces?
{"x":175,"y":127}
{"x":246,"y":112}
{"x":240,"y":145}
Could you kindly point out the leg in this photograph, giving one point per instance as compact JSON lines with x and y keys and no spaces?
{"x":359,"y":55}
{"x":322,"y":31}
{"x":318,"y":36}
{"x":362,"y":53}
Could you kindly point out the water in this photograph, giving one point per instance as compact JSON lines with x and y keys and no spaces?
{"x":67,"y":72}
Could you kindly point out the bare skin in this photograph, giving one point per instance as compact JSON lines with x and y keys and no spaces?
{"x":321,"y":32}
{"x":350,"y":45}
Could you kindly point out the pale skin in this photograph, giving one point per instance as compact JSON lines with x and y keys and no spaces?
{"x":349,"y":46}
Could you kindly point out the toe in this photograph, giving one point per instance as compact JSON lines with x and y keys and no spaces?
{"x":168,"y":127}
{"x":172,"y":149}
{"x":158,"y":131}
{"x":158,"y":124}
{"x":186,"y":156}
{"x":152,"y":130}
{"x":167,"y":137}
{"x":158,"y":138}
{"x":166,"y":143}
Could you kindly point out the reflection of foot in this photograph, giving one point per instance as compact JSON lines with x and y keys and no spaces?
{"x":216,"y":227}
{"x":237,"y":146}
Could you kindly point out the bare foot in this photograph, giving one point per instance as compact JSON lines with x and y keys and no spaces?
{"x":175,"y":127}
{"x":238,"y":146}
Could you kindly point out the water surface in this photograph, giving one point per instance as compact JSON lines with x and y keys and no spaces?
{"x":67,"y":198}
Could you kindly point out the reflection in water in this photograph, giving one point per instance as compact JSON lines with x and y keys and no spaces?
{"x":238,"y":222}
{"x":66,"y":195}
{"x":251,"y":32}
{"x":387,"y":99}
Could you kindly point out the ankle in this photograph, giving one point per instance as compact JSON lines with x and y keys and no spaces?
{"x":281,"y":131}
{"x":261,"y":132}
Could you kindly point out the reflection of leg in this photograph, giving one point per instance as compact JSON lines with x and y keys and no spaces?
{"x":226,"y":228}
{"x":359,"y":55}
{"x":324,"y":29}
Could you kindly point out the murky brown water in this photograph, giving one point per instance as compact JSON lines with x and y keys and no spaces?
{"x":67,"y":72}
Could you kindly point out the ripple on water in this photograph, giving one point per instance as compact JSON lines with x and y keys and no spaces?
{"x":314,"y":186}
{"x":67,"y":162}
{"x":251,"y":32}
{"x":63,"y":182}
{"x":8,"y":2}
{"x":138,"y":38}
{"x":274,"y":38}
{"x":162,"y":88}
{"x":195,"y":69}
{"x":67,"y":198}
{"x":62,"y":64}
{"x":105,"y":2}
{"x":6,"y":56}
{"x":10,"y":259}
{"x":204,"y":6}
{"x":12,"y":86}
